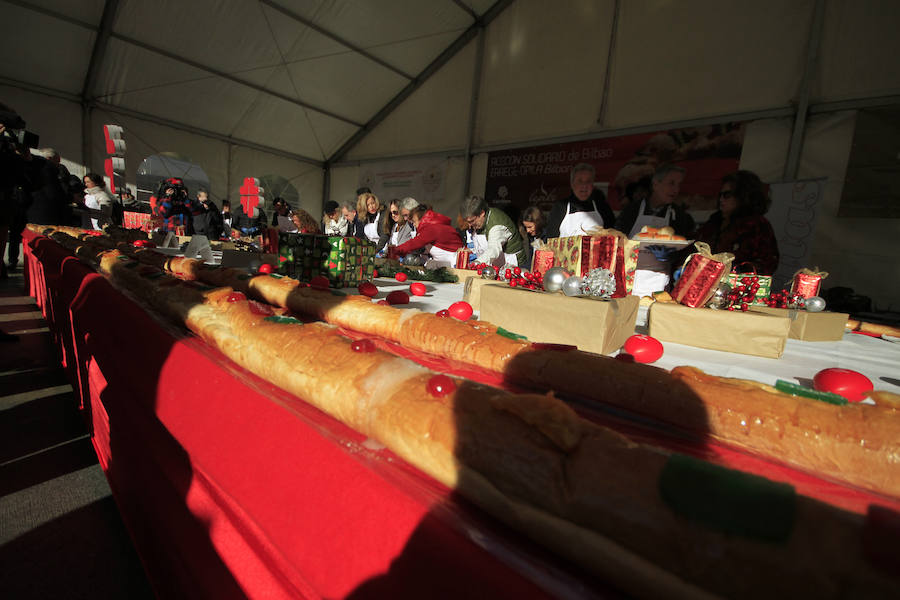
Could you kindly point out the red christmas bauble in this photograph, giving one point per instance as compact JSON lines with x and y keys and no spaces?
{"x":320,"y":282}
{"x":440,"y":385}
{"x":417,"y":289}
{"x":852,"y":385}
{"x":364,"y":345}
{"x":398,"y":297}
{"x":460,"y":310}
{"x":375,"y":273}
{"x":643,"y":348}
{"x":401,"y":277}
{"x":265,"y":268}
{"x":367,"y":288}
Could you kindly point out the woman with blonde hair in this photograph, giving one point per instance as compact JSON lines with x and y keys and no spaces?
{"x":370,"y":212}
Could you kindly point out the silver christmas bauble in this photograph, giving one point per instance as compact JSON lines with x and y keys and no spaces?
{"x":719,"y":298}
{"x":814,"y":304}
{"x":414,"y":260}
{"x":572,"y":286}
{"x":554,"y":278}
{"x":489,"y":272}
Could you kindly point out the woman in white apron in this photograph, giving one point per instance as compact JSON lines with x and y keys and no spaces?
{"x":652,"y":274}
{"x":578,"y":223}
{"x":369,"y":211}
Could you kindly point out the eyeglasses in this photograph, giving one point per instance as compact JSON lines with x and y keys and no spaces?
{"x":726,"y":194}
{"x":395,"y":212}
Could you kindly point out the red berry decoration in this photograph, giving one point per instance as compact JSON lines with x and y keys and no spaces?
{"x":643,"y":348}
{"x":517,"y":271}
{"x":460,"y":310}
{"x":265,"y":268}
{"x":513,"y":283}
{"x":398,"y":297}
{"x":375,"y":273}
{"x":235,"y":297}
{"x":367,"y":288}
{"x":319,"y":282}
{"x":440,"y":385}
{"x":852,"y":385}
{"x":401,"y":277}
{"x":364,"y":346}
{"x":444,"y":313}
{"x":417,"y":289}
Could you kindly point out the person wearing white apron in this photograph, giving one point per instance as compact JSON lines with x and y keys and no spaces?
{"x":652,"y":274}
{"x":584,"y":209}
{"x":435,"y":233}
{"x":496,"y":238}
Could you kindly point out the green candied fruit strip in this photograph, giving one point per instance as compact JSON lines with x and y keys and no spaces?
{"x":510,"y":334}
{"x":123,"y":257}
{"x":795,"y":389}
{"x":276,"y":275}
{"x":283,"y":320}
{"x":729,"y":501}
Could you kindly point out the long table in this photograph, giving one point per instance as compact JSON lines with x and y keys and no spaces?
{"x":231,"y":487}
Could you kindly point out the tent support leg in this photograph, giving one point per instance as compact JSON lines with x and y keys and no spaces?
{"x":87,"y":129}
{"x":473,"y":108}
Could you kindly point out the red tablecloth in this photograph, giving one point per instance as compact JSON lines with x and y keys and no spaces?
{"x":232,"y":488}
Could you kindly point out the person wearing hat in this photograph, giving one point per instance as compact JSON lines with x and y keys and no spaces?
{"x":172,"y":205}
{"x":333,"y":222}
{"x":497,"y":239}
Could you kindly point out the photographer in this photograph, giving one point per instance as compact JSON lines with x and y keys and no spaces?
{"x":17,"y":174}
{"x":173,"y":206}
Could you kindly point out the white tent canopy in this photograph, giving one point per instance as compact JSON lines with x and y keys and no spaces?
{"x":310,"y":90}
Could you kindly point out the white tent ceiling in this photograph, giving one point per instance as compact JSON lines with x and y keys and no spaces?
{"x":298,"y":76}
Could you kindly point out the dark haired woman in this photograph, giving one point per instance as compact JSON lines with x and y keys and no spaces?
{"x":531,"y":228}
{"x":739,"y":226}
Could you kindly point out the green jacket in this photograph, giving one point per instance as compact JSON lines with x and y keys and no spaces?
{"x":515,"y":244}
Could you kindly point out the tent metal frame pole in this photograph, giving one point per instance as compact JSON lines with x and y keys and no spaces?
{"x":343,"y":42}
{"x":442,"y":59}
{"x":101,"y":43}
{"x":228,"y":163}
{"x":792,"y":164}
{"x":326,"y":186}
{"x":87,"y":145}
{"x":854,"y":104}
{"x":473,"y":109}
{"x":610,"y":54}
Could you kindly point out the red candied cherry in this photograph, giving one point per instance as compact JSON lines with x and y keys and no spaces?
{"x":401,"y":277}
{"x":461,"y":310}
{"x":265,"y":268}
{"x":852,"y":385}
{"x":319,"y":282}
{"x":235,"y":297}
{"x":384,"y":302}
{"x":367,"y":288}
{"x":398,"y":297}
{"x":440,"y":385}
{"x":364,"y":346}
{"x":258,"y":308}
{"x":417,"y":289}
{"x":443,"y":313}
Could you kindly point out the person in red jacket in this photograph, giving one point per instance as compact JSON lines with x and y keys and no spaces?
{"x":434,"y":232}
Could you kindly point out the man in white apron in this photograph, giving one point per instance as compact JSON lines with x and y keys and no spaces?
{"x":496,"y":238}
{"x":583,"y":210}
{"x":654,"y":268}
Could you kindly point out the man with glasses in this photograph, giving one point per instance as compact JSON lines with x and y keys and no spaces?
{"x":659,"y":210}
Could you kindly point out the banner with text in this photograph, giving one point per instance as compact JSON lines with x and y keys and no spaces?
{"x":421,"y":178}
{"x":539,"y":175}
{"x":793,"y":217}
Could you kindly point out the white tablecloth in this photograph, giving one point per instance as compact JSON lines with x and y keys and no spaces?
{"x":877,"y":359}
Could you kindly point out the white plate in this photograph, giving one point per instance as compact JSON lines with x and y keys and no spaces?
{"x":656,"y":242}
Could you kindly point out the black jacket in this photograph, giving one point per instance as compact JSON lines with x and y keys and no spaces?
{"x":208,"y":221}
{"x":573,"y":204}
{"x":245,"y":224}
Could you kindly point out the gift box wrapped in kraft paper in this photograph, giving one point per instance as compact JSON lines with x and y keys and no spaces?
{"x":592,"y":324}
{"x":598,"y":248}
{"x":701,"y":273}
{"x":472,"y":289}
{"x":754,"y":333}
{"x":810,"y":326}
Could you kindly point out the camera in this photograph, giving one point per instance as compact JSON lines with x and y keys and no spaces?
{"x":15,"y":135}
